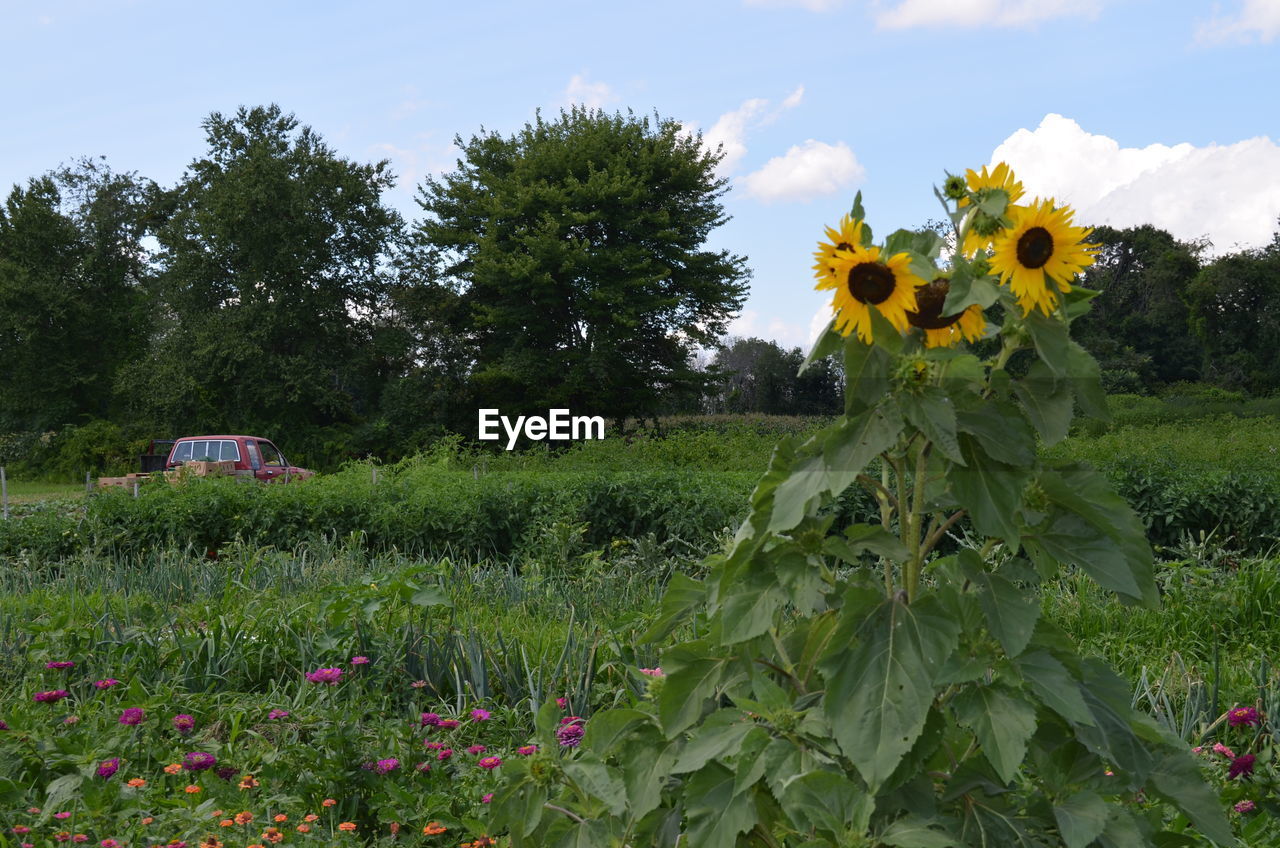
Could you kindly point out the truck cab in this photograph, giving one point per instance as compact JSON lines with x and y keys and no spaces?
{"x":243,"y":456}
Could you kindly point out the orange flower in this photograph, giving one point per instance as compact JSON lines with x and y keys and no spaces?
{"x":310,"y":817}
{"x":136,"y":783}
{"x":347,"y":826}
{"x":210,"y":842}
{"x":328,"y":802}
{"x":173,"y":768}
{"x":254,"y":845}
{"x":248,"y":782}
{"x":225,"y":823}
{"x":272,"y":835}
{"x":244,"y":817}
{"x":281,"y":817}
{"x":148,"y":820}
{"x":303,"y":828}
{"x":433,"y":828}
{"x":192,"y":789}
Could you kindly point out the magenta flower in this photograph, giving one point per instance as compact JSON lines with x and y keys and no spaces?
{"x":652,"y":672}
{"x":330,"y":676}
{"x":108,"y":767}
{"x":131,"y":716}
{"x":71,"y":719}
{"x":274,"y":714}
{"x":52,"y":696}
{"x":562,"y":702}
{"x":184,"y":723}
{"x":486,"y":798}
{"x":62,"y":815}
{"x":60,"y":664}
{"x":444,"y":754}
{"x":490,"y":763}
{"x":359,"y":660}
{"x":3,"y":726}
{"x":430,"y":719}
{"x":80,"y":838}
{"x":62,"y":836}
{"x":423,"y":767}
{"x":1244,"y":716}
{"x":418,"y":684}
{"x":386,"y":766}
{"x":448,"y":723}
{"x":197,"y":761}
{"x":107,"y":683}
{"x":1245,"y":806}
{"x":477,"y":749}
{"x":1241,"y":766}
{"x":570,"y":731}
{"x":480,"y":715}
{"x":432,"y":746}
{"x":109,"y":843}
{"x":1219,"y":748}
{"x":21,"y":830}
{"x":226,"y":772}
{"x":527,"y":750}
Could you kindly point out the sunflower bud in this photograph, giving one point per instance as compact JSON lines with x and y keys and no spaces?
{"x":955,"y":187}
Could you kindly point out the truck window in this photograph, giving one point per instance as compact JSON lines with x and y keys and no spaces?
{"x":270,"y":454}
{"x":255,"y":461}
{"x":230,"y":450}
{"x":182,"y":453}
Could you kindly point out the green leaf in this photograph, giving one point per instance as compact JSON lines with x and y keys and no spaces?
{"x":878,"y":695}
{"x":692,"y":676}
{"x":856,"y":212}
{"x":519,"y":806}
{"x":828,"y":344}
{"x":1081,"y":818}
{"x":922,"y":266}
{"x":645,"y":765}
{"x":898,"y":241}
{"x":1052,"y":342}
{"x":1055,"y":686}
{"x":430,"y":596}
{"x":932,"y":412}
{"x":1177,"y":778}
{"x":991,"y":491}
{"x":587,"y":834}
{"x":967,"y":289}
{"x":1001,"y":431}
{"x":865,"y":537}
{"x":1123,"y":831}
{"x":1087,"y":380}
{"x":883,"y":332}
{"x":994,"y":202}
{"x":716,"y":815}
{"x":1003,"y":722}
{"x":607,"y":727}
{"x":720,"y":735}
{"x":599,"y":781}
{"x":913,"y":831}
{"x":1011,"y":617}
{"x":828,"y":801}
{"x":1047,"y":401}
{"x":682,"y":597}
{"x":748,"y":612}
{"x":866,"y":375}
{"x":1070,"y":539}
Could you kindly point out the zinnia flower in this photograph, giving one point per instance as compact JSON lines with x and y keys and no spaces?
{"x":570,"y":731}
{"x":52,"y":696}
{"x":490,"y":762}
{"x":430,"y":719}
{"x":136,"y":782}
{"x":109,"y":843}
{"x":1219,"y":748}
{"x":173,"y":768}
{"x":433,"y":828}
{"x":1241,"y":766}
{"x":71,"y":719}
{"x":63,"y":836}
{"x":527,"y":750}
{"x":328,"y":802}
{"x":21,"y":829}
{"x":418,"y":684}
{"x":192,"y":789}
{"x":486,"y":798}
{"x":347,"y":826}
{"x":80,"y":838}
{"x":63,"y":815}
{"x":1243,"y":716}
{"x":3,"y":726}
{"x":444,"y":754}
{"x":1245,"y":806}
{"x":107,"y":683}
{"x":562,"y":702}
{"x":386,"y":766}
{"x":198,"y":761}
{"x":330,"y":676}
{"x":248,"y":782}
{"x":652,"y":672}
{"x":184,"y":723}
{"x":480,"y":715}
{"x":359,"y":660}
{"x":274,"y":714}
{"x":303,"y":828}
{"x":477,"y":749}
{"x":448,"y":723}
{"x":108,"y":767}
{"x":225,"y":772}
{"x":244,"y":817}
{"x":60,"y":664}
{"x":131,"y":716}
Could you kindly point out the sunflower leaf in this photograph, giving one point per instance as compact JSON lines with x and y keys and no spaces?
{"x":966,"y":290}
{"x":828,"y":344}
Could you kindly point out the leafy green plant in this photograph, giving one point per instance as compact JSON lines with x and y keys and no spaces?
{"x":845,"y":686}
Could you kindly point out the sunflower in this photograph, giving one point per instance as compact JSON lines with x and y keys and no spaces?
{"x":861,"y":280}
{"x":1040,"y":253}
{"x":945,"y":330}
{"x":1000,"y":177}
{"x":848,"y":237}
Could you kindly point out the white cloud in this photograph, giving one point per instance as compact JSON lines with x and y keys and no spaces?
{"x":787,"y":334}
{"x":411,"y":164}
{"x":593,"y":95}
{"x":1227,"y":192}
{"x":1002,"y":13}
{"x":730,"y":129}
{"x":1258,"y":19}
{"x":811,"y":5}
{"x":804,"y":172}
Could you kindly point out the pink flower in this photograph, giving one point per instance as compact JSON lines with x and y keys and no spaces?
{"x":1241,"y":766}
{"x":71,"y":719}
{"x":448,"y":723}
{"x":569,"y":735}
{"x":432,"y":746}
{"x":527,"y":750}
{"x":80,"y":838}
{"x":423,"y":767}
{"x":386,"y":766}
{"x":430,"y":719}
{"x":1245,"y":806}
{"x":183,"y":723}
{"x":1247,"y":716}
{"x":1219,"y":748}
{"x":274,"y":714}
{"x":490,"y":763}
{"x":52,"y":696}
{"x":444,"y":754}
{"x":652,"y":672}
{"x":330,"y":676}
{"x":108,"y":767}
{"x":106,"y":684}
{"x":62,"y":836}
{"x":109,"y":843}
{"x":477,"y":749}
{"x":62,"y":815}
{"x":418,"y":684}
{"x":562,"y":702}
{"x":60,"y":664}
{"x":132,"y":716}
{"x":480,"y":715}
{"x":486,"y":798}
{"x":21,"y":830}
{"x":359,"y":660}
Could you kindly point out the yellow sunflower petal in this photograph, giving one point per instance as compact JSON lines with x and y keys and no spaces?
{"x":1040,"y":253}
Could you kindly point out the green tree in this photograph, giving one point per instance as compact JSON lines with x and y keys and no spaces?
{"x":1234,"y":314}
{"x":1140,"y":331}
{"x":761,"y":376}
{"x":572,"y":258}
{"x":72,"y":297}
{"x":274,"y":255}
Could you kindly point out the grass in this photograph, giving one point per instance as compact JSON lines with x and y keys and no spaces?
{"x":26,"y":491}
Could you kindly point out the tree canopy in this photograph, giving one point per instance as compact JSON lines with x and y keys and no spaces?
{"x":572,"y":258}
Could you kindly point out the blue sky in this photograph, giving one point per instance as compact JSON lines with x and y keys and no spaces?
{"x":1132,"y":110}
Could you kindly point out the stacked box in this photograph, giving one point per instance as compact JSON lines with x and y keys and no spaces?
{"x":211,"y":469}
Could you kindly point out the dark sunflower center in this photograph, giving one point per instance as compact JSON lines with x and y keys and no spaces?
{"x":844,"y":245}
{"x":929,"y":301}
{"x":870,"y":282}
{"x":1035,"y":247}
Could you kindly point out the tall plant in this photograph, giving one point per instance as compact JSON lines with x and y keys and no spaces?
{"x":852,"y":686}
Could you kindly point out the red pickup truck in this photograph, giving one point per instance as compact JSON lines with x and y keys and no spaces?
{"x":252,"y":456}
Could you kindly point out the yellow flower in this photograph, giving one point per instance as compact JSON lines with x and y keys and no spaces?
{"x":848,"y":237}
{"x":861,"y":280}
{"x":945,"y":330}
{"x":1000,"y":177}
{"x":1040,"y":253}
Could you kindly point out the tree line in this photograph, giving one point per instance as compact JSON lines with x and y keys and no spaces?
{"x":274,"y":290}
